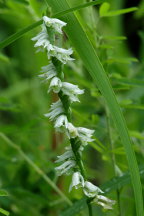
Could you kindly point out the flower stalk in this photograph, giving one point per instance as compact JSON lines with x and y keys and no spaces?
{"x":60,"y":112}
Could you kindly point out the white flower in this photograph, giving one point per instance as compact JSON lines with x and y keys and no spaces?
{"x":61,"y":54}
{"x":61,"y":123}
{"x":72,"y":91}
{"x":77,"y":181}
{"x":56,"y":110}
{"x":72,"y":131}
{"x":91,"y":190}
{"x":104,"y":202}
{"x":67,"y":155}
{"x":43,"y":40}
{"x":85,"y":134}
{"x":55,"y":85}
{"x":66,"y":167}
{"x":56,"y":24}
{"x":48,"y":72}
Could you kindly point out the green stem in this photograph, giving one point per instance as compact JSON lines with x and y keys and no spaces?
{"x":75,"y":144}
{"x":89,"y":208}
{"x":35,"y":167}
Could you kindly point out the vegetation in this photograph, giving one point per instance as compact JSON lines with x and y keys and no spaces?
{"x":108,"y":43}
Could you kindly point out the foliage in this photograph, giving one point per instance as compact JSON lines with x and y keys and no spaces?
{"x":28,"y":143}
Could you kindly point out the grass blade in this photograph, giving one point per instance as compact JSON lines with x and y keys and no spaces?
{"x":78,"y":7}
{"x":19,"y":34}
{"x":119,"y":12}
{"x":87,"y":53}
{"x":3,"y":193}
{"x":4,"y":212}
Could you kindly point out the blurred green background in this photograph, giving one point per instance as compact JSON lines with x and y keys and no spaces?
{"x":119,"y":41}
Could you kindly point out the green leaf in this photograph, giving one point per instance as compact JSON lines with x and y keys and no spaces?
{"x":104,"y":10}
{"x":3,"y":193}
{"x":4,"y":58}
{"x":87,"y":53}
{"x":121,"y":60}
{"x":22,"y":2}
{"x":137,"y":135}
{"x":4,"y":212}
{"x":131,"y":82}
{"x":133,"y":106}
{"x":118,"y":182}
{"x":120,"y":12}
{"x":77,"y":7}
{"x":75,"y":209}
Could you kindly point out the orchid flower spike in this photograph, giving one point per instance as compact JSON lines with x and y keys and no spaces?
{"x":68,"y":93}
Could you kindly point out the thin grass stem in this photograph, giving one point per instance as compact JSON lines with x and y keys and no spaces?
{"x":35,"y":167}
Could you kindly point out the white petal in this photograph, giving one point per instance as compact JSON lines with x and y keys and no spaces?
{"x":53,"y":114}
{"x":61,"y":122}
{"x":67,"y":155}
{"x":86,"y":131}
{"x":91,"y":190}
{"x":66,"y":167}
{"x":61,"y":54}
{"x":57,"y":104}
{"x":42,"y":39}
{"x":72,"y":131}
{"x":48,"y":72}
{"x":55,"y":85}
{"x":72,"y":91}
{"x":55,"y":110}
{"x":104,"y":201}
{"x":77,"y":181}
{"x":85,"y":135}
{"x":54,"y":23}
